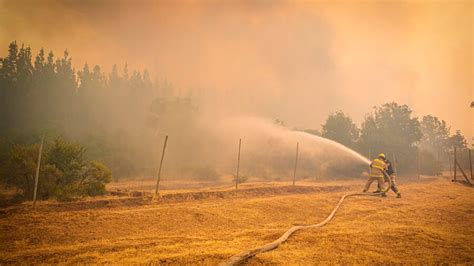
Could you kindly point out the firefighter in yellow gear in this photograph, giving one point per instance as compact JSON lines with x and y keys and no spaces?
{"x":377,"y":169}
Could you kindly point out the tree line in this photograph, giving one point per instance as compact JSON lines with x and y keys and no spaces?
{"x":48,"y":90}
{"x":45,"y":95}
{"x":416,"y":144}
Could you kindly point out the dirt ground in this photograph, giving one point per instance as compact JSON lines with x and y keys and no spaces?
{"x":432,"y":223}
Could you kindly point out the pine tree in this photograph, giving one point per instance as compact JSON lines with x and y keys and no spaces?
{"x":66,"y":84}
{"x":8,"y":74}
{"x":84,"y":79}
{"x":9,"y":70}
{"x":22,"y":100}
{"x":24,"y":67}
{"x":39,"y":62}
{"x":114,"y":79}
{"x":125,"y":74}
{"x":38,"y":104}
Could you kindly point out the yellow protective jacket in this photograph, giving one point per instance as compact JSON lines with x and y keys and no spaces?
{"x":377,"y":167}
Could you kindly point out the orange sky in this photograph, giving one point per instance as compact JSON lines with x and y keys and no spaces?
{"x":296,"y":60}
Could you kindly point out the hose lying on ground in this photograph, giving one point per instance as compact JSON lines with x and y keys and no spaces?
{"x":250,"y":253}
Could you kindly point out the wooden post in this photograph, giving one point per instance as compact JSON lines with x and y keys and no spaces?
{"x":455,"y":164}
{"x":470,"y":164}
{"x":296,"y":162}
{"x":159,"y":169}
{"x":38,"y":165}
{"x":450,"y":166}
{"x":238,"y":166}
{"x":418,"y":164}
{"x":464,"y":174}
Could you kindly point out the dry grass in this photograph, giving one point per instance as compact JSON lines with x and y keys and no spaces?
{"x":432,"y":223}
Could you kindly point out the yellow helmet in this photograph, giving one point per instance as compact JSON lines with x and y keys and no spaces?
{"x":382,"y":155}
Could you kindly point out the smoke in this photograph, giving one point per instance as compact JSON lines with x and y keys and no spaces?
{"x":296,"y":61}
{"x":275,"y":58}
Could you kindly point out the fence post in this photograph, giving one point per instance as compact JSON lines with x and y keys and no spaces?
{"x":296,"y":162}
{"x":464,"y":174}
{"x":470,"y":163}
{"x":455,"y":163}
{"x":159,"y":169}
{"x":418,"y":164}
{"x":449,"y":162}
{"x":238,"y":166}
{"x":38,"y":165}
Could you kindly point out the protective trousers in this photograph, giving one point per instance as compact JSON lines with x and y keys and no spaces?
{"x":372,"y":179}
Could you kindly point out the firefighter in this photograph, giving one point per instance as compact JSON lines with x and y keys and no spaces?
{"x":377,"y":168}
{"x":392,"y":174}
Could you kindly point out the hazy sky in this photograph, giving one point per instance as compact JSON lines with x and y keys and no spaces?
{"x":295,"y":60}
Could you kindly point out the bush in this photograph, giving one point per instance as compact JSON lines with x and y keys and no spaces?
{"x":64,"y":172}
{"x":95,"y":178}
{"x":19,"y":169}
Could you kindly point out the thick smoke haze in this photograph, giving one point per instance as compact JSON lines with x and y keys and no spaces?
{"x":293,"y":60}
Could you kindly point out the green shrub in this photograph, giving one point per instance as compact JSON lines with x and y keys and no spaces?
{"x":64,"y":173}
{"x":95,"y":178}
{"x":19,"y":169}
{"x":68,"y":158}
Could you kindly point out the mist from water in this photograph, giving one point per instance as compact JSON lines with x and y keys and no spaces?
{"x":337,"y":145}
{"x":267,"y":152}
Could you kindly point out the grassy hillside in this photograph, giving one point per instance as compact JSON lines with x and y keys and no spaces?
{"x":432,"y":223}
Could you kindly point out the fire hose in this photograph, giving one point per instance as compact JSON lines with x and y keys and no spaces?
{"x":238,"y":258}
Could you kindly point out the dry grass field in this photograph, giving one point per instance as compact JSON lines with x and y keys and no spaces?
{"x":432,"y":223}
